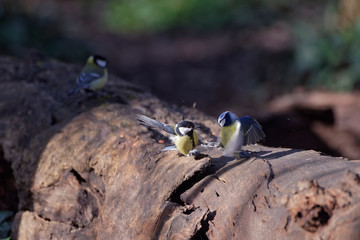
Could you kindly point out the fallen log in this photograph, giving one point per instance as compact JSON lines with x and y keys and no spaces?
{"x":85,"y":169}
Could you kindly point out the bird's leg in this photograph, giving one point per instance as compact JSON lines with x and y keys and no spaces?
{"x":242,"y":154}
{"x":99,"y":94}
{"x":102,"y":93}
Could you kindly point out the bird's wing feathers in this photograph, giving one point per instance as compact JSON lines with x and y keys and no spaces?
{"x":169,"y":148}
{"x":253,"y":132}
{"x":155,"y":124}
{"x":86,"y":78}
{"x":235,"y":142}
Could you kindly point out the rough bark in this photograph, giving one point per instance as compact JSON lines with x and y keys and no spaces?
{"x":85,"y":169}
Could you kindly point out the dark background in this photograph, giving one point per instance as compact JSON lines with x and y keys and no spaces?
{"x":221,"y":55}
{"x":214,"y":55}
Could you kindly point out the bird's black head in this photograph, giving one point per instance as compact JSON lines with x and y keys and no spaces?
{"x":184,"y":128}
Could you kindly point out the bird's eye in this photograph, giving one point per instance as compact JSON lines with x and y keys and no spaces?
{"x":222,"y":122}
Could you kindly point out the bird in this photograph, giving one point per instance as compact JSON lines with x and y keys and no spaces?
{"x":93,"y":76}
{"x":182,"y":135}
{"x":237,"y":132}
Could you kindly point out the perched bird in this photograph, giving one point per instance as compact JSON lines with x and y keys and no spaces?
{"x":182,"y":135}
{"x":93,"y":76}
{"x":237,"y":132}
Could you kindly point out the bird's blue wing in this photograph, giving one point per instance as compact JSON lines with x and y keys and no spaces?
{"x":253,"y":132}
{"x":155,"y":124}
{"x":84,"y":80}
{"x":87,"y":78}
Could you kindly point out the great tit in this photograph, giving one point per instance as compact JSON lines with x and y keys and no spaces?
{"x":93,"y":76}
{"x":237,"y":132}
{"x":182,"y":135}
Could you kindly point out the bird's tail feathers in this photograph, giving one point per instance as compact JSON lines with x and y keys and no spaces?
{"x":154,"y":124}
{"x":149,"y":122}
{"x":74,"y":90}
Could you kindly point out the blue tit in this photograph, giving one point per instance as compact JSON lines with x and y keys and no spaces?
{"x":237,"y":132}
{"x":93,"y":76}
{"x":182,"y":135}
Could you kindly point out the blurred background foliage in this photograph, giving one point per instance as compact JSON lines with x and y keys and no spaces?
{"x":327,"y":53}
{"x":23,"y":28}
{"x":324,"y":35}
{"x":141,"y":16}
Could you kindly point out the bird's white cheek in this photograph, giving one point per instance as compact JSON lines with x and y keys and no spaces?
{"x":184,"y":130}
{"x":222,"y":123}
{"x":101,"y":63}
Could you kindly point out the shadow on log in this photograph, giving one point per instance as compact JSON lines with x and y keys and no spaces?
{"x":85,"y":169}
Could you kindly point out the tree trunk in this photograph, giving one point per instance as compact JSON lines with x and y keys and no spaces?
{"x":85,"y":169}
